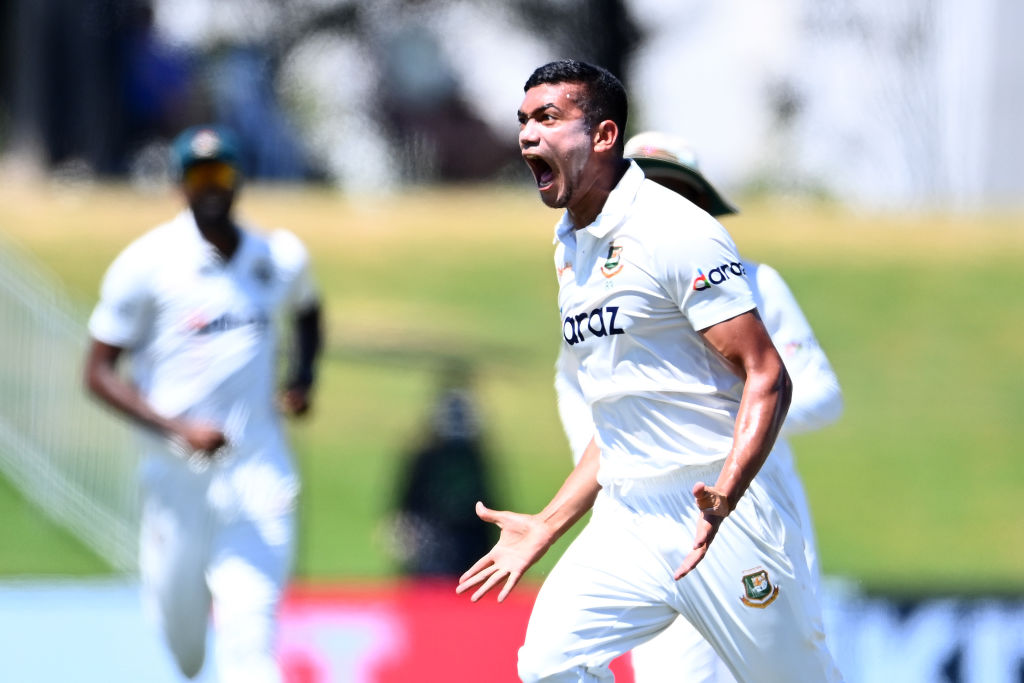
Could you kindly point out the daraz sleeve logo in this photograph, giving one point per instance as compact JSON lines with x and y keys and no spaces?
{"x":717,"y":276}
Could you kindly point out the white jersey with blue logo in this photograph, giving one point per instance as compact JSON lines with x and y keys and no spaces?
{"x":201,"y":336}
{"x":635,"y":289}
{"x":201,"y":331}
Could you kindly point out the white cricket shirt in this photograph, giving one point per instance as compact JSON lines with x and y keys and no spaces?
{"x":635,"y":288}
{"x":817,"y":398}
{"x":201,"y":331}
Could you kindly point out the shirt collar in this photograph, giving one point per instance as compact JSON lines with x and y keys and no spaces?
{"x":204,"y":251}
{"x":616,"y":206}
{"x":563,"y":228}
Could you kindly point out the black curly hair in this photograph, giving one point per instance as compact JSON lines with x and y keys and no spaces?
{"x":604,"y":96}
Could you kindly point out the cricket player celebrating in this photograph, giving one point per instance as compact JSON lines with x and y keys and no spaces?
{"x":681,"y":653}
{"x":196,"y":303}
{"x":687,"y":394}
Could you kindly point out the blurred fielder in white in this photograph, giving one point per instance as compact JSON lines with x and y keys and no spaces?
{"x":196,"y":304}
{"x":680,"y":653}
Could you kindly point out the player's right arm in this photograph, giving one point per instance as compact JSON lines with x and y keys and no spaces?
{"x":744,"y":344}
{"x":525,"y":538}
{"x":105,"y":382}
{"x":723,"y":310}
{"x":123,"y":317}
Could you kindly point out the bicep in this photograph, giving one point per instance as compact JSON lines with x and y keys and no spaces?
{"x":743,"y":342}
{"x":745,"y":345}
{"x":100,"y":362}
{"x":102,"y":354}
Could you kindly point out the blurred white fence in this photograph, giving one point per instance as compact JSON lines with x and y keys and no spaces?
{"x":59,"y":447}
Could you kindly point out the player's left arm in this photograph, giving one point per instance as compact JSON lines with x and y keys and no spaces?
{"x":306,"y":346}
{"x":525,"y":538}
{"x":744,"y":343}
{"x":302,"y":302}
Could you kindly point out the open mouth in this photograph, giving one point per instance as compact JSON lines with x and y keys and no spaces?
{"x":543,"y":174}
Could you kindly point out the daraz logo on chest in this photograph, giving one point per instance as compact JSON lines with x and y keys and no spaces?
{"x":598,"y":323}
{"x":717,"y":276}
{"x":225,"y":322}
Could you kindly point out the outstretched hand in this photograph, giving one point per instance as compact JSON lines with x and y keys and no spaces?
{"x":714,"y":507}
{"x":524,"y":539}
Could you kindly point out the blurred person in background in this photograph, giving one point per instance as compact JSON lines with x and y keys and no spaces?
{"x":436,"y":532}
{"x":681,"y":653}
{"x":685,"y":387}
{"x":197,"y":303}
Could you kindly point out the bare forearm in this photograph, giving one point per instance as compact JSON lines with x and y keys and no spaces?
{"x":103,"y":380}
{"x":126,"y":399}
{"x":308,"y":343}
{"x":575,"y":497}
{"x":766,"y":397}
{"x":525,"y":538}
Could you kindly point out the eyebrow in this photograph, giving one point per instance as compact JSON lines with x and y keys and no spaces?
{"x":548,"y":105}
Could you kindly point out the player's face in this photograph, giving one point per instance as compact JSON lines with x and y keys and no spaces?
{"x":555,"y":142}
{"x":210,"y":188}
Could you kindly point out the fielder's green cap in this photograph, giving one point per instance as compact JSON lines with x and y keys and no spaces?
{"x":662,"y":155}
{"x":204,"y":143}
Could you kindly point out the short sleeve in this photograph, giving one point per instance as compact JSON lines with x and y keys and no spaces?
{"x":705,"y":275}
{"x":125,"y":308}
{"x":292,"y":258}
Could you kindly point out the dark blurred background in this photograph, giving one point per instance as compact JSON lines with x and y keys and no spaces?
{"x":96,"y":88}
{"x":888,"y":104}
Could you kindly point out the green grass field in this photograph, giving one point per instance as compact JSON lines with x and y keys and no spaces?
{"x":915,"y":490}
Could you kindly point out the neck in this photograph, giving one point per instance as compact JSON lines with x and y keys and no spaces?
{"x":591,"y":202}
{"x":222,"y":234}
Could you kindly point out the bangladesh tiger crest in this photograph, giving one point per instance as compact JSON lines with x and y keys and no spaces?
{"x":758,"y":590}
{"x":612,"y":262}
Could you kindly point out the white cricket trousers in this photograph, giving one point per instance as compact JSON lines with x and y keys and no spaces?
{"x":196,"y":558}
{"x":751,"y":597}
{"x":680,"y":654}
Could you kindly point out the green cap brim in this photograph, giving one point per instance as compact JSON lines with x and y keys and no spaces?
{"x":659,"y":168}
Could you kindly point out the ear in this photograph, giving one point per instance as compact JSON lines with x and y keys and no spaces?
{"x":606,"y":135}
